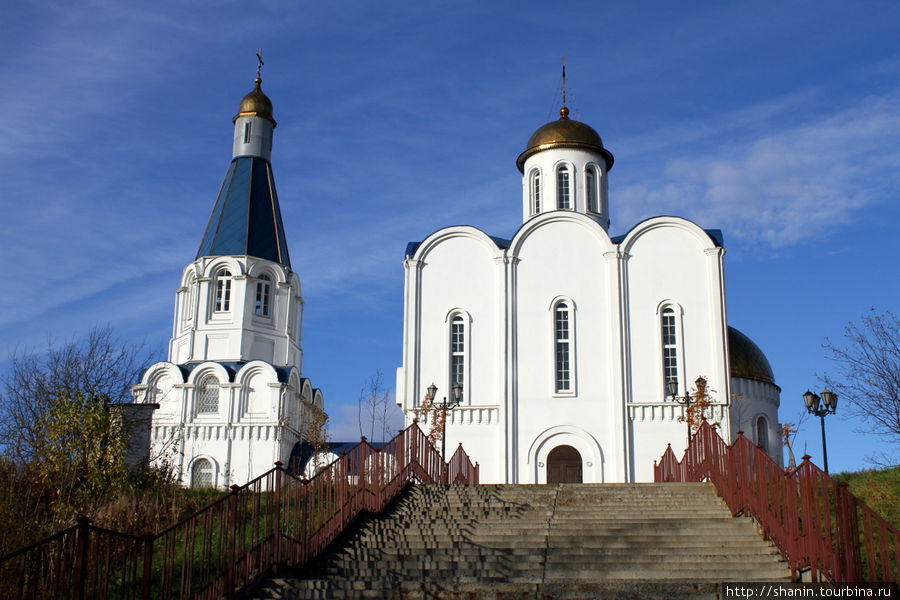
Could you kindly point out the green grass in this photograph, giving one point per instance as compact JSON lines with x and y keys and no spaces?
{"x":880,"y":489}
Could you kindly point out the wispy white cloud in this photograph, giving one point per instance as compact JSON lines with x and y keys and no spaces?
{"x":782,"y":187}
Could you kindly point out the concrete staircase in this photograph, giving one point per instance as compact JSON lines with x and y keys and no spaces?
{"x":566,"y":541}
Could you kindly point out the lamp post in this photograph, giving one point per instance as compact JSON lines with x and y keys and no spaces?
{"x":829,"y":399}
{"x":672,"y":390}
{"x":444,"y":407}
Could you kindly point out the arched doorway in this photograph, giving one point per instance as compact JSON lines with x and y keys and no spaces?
{"x":564,"y":465}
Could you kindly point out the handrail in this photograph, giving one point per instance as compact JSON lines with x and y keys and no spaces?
{"x":818,"y":525}
{"x":276,"y":520}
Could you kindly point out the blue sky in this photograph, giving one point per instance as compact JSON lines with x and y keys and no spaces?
{"x":777,"y":122}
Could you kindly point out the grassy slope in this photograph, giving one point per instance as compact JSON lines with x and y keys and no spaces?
{"x":879,"y":489}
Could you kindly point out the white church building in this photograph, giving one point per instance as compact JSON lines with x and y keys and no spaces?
{"x":232,"y":399}
{"x":564,"y":338}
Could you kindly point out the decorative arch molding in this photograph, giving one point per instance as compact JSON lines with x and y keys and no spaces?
{"x":273,"y":270}
{"x":318,"y":398}
{"x":458,"y":231}
{"x":294,"y":381}
{"x":191,"y":274}
{"x":566,"y":435}
{"x":306,"y":390}
{"x":702,"y":238}
{"x":218,"y":263}
{"x":559,"y":299}
{"x":208,"y":368}
{"x":669,"y":303}
{"x":559,"y":216}
{"x":564,"y":162}
{"x":458,"y":312}
{"x":253,"y":368}
{"x":162,"y":369}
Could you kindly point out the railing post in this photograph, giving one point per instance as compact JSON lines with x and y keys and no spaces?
{"x":364,"y":484}
{"x":232,"y":542}
{"x":849,"y":534}
{"x":304,"y":523}
{"x":276,"y":554}
{"x":790,"y":493}
{"x":148,"y":567}
{"x":81,"y":555}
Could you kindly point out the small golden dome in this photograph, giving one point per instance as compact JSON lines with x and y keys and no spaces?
{"x":256,"y":103}
{"x":747,"y":361}
{"x":564,"y":133}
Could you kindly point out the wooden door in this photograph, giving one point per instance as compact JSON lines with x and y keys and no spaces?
{"x":564,"y":465}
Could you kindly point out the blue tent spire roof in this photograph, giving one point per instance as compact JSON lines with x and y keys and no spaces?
{"x":246,"y":219}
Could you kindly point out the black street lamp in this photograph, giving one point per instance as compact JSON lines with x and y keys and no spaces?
{"x":672,"y":390}
{"x":829,"y":399}
{"x":445,"y":407}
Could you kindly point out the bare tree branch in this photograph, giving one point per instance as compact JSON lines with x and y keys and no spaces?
{"x":867,"y":375}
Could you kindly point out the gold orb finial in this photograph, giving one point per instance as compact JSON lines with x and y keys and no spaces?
{"x":564,"y":113}
{"x":256,"y":102}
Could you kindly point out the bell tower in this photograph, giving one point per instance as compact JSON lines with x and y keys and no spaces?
{"x":239,"y":299}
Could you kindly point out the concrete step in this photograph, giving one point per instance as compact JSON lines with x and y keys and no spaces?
{"x":554,"y":541}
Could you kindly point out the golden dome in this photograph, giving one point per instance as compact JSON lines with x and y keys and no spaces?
{"x":564,"y":133}
{"x":746,"y":359}
{"x":256,"y":103}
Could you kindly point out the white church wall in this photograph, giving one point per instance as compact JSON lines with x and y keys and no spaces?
{"x":560,"y":261}
{"x":667,"y":265}
{"x":458,"y":276}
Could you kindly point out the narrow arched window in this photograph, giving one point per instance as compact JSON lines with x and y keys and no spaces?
{"x":202,"y":474}
{"x":247,"y":132}
{"x":208,"y":395}
{"x":457,"y":351}
{"x":562,"y":188}
{"x":223,"y":291}
{"x":563,"y":347}
{"x":263,"y":288}
{"x":669,"y":346}
{"x":762,"y":433}
{"x":535,"y":191}
{"x":590,"y":190}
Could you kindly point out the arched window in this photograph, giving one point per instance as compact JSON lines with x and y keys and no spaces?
{"x":590,"y":190}
{"x":669,"y":346}
{"x":202,"y":474}
{"x":563,"y":347}
{"x":534,"y":187}
{"x":263,"y":287}
{"x":762,"y":433}
{"x":223,"y":291}
{"x":208,"y":395}
{"x":246,"y":132}
{"x":457,"y":351}
{"x":562,"y":187}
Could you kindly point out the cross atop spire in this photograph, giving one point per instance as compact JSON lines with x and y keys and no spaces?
{"x":260,"y":63}
{"x":564,"y":81}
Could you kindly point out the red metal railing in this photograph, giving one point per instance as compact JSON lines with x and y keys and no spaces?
{"x":815,"y":521}
{"x":275,"y":520}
